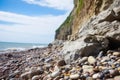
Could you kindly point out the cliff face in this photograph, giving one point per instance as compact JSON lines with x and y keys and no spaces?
{"x":92,"y":26}
{"x":83,"y":10}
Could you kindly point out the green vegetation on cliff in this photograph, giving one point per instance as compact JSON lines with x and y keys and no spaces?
{"x":66,"y":23}
{"x":65,"y":29}
{"x":79,"y":6}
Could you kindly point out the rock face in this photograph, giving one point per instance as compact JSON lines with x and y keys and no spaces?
{"x":95,"y":27}
{"x":82,"y":11}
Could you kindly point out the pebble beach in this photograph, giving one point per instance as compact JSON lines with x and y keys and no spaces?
{"x":47,"y":64}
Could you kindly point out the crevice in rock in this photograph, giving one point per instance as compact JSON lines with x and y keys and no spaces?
{"x":113,"y":43}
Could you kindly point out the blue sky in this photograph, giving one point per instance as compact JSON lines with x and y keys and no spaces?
{"x":32,"y":21}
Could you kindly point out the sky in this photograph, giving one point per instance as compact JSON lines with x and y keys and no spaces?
{"x":32,"y":21}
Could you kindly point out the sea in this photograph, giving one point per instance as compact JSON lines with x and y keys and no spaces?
{"x":13,"y":46}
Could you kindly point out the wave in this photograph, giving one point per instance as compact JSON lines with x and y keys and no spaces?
{"x":38,"y":46}
{"x":18,"y":49}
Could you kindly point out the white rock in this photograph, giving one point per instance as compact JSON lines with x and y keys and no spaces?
{"x":87,"y":68}
{"x":91,"y":60}
{"x":95,"y":76}
{"x":83,"y":59}
{"x":116,"y":53}
{"x":36,"y":77}
{"x":74,"y":76}
{"x":105,"y":59}
{"x":55,"y":73}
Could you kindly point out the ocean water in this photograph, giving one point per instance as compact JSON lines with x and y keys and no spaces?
{"x":11,"y":46}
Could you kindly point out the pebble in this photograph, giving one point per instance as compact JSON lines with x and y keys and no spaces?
{"x":74,"y":76}
{"x":48,"y":60}
{"x":61,"y":63}
{"x":37,"y":77}
{"x":100,"y":54}
{"x":25,"y":75}
{"x":117,"y":78}
{"x":87,"y":68}
{"x":83,"y":60}
{"x":89,"y":78}
{"x":104,"y":59}
{"x":55,"y":74}
{"x":95,"y":76}
{"x":91,"y":60}
{"x":116,"y":54}
{"x":110,"y":79}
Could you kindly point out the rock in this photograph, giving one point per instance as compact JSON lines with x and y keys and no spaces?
{"x":37,"y":77}
{"x":57,"y":78}
{"x":12,"y":75}
{"x":106,"y":71}
{"x":48,"y":60}
{"x":55,"y":74}
{"x":91,"y":60}
{"x":114,"y":72}
{"x":89,"y":78}
{"x":70,"y":56}
{"x":116,"y":54}
{"x":36,"y":71}
{"x":57,"y":68}
{"x":110,"y":79}
{"x":102,"y":75}
{"x":100,"y":54}
{"x":74,"y":76}
{"x":47,"y":77}
{"x":117,"y":12}
{"x":33,"y":71}
{"x":87,"y":68}
{"x":25,"y":75}
{"x":117,"y":78}
{"x":61,"y":63}
{"x":66,"y":77}
{"x":96,"y":76}
{"x":104,"y":59}
{"x":83,"y":60}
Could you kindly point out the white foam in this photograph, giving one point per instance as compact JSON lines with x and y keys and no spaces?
{"x":38,"y":46}
{"x":14,"y":49}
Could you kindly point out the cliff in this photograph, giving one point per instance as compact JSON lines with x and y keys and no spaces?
{"x":92,"y":26}
{"x":83,"y":10}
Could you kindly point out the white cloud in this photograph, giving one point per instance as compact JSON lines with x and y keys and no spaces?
{"x":57,"y":4}
{"x":29,"y":26}
{"x":33,"y":28}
